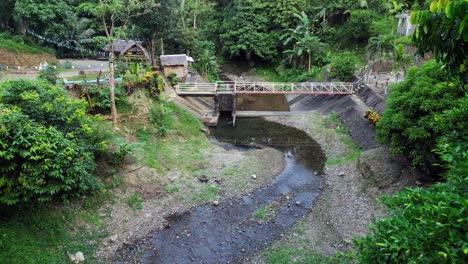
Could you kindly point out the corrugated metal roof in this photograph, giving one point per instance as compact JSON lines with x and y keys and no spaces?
{"x":176,"y":59}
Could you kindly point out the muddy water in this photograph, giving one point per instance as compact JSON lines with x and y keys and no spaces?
{"x":229,"y":232}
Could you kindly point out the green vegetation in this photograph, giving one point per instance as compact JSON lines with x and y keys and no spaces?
{"x":50,"y":74}
{"x":265,"y":213}
{"x":43,"y":132}
{"x":18,"y":44}
{"x":207,"y":193}
{"x":425,"y":225}
{"x":426,"y":119}
{"x":45,"y":234}
{"x":442,"y":30}
{"x":135,"y":202}
{"x":169,"y":126}
{"x":352,"y":150}
{"x":409,"y":124}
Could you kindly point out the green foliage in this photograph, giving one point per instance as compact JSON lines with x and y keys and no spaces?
{"x":344,"y":66}
{"x":47,"y":144}
{"x":244,"y":36}
{"x":50,"y":74}
{"x":288,"y":254}
{"x":19,"y":44}
{"x":39,"y":234}
{"x":357,"y":28}
{"x":379,"y":46}
{"x":173,"y":79}
{"x":205,"y":60}
{"x":124,"y":149}
{"x":426,"y":225}
{"x":135,"y":202}
{"x":161,"y":116}
{"x":408,"y":123}
{"x":443,"y":31}
{"x":152,"y":82}
{"x":100,"y":98}
{"x":381,"y":27}
{"x":67,"y":65}
{"x":121,"y":68}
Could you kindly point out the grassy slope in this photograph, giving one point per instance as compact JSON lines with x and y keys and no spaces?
{"x":17,"y":44}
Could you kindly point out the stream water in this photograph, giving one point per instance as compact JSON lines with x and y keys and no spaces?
{"x":229,"y":232}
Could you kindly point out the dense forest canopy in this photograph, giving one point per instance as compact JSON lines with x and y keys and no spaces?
{"x":235,"y":28}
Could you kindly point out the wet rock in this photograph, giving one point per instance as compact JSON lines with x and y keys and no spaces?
{"x":321,"y":187}
{"x":254,"y":176}
{"x":215,"y":203}
{"x":341,"y":174}
{"x":298,"y":203}
{"x":203,"y":178}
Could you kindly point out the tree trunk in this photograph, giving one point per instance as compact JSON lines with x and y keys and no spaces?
{"x":154,"y":43}
{"x":112,"y":87}
{"x":309,"y":62}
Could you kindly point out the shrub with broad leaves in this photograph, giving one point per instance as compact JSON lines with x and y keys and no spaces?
{"x":47,"y":143}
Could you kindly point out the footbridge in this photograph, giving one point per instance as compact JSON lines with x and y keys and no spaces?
{"x":207,"y":89}
{"x":225,"y":93}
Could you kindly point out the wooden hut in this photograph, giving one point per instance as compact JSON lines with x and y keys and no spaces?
{"x":129,"y":50}
{"x":177,"y":64}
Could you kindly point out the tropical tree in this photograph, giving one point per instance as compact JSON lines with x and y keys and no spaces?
{"x":443,"y":31}
{"x":401,"y":60}
{"x":378,"y":46}
{"x":303,"y":41}
{"x":115,"y":16}
{"x":206,"y":64}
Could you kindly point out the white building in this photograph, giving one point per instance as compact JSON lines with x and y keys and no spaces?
{"x":405,"y":28}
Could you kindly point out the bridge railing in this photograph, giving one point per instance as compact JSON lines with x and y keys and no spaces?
{"x":267,"y":87}
{"x":196,"y":88}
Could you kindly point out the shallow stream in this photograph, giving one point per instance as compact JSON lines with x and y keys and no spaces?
{"x":237,"y":228}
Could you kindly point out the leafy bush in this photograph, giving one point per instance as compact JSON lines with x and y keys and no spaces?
{"x":67,"y":65}
{"x":50,"y":74}
{"x":380,"y":27}
{"x":173,"y":79}
{"x":343,"y":66}
{"x":151,"y":82}
{"x":121,"y":68}
{"x":426,"y":225}
{"x":161,"y":116}
{"x":47,"y":143}
{"x":411,"y":123}
{"x":100,"y":98}
{"x":357,"y":28}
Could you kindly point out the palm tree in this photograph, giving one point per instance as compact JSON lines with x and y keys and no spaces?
{"x":303,"y":41}
{"x":401,"y":60}
{"x":379,"y":46}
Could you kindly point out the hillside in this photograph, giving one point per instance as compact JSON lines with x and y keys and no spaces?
{"x":15,"y":52}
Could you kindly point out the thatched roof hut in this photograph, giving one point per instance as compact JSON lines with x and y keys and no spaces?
{"x":129,"y":49}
